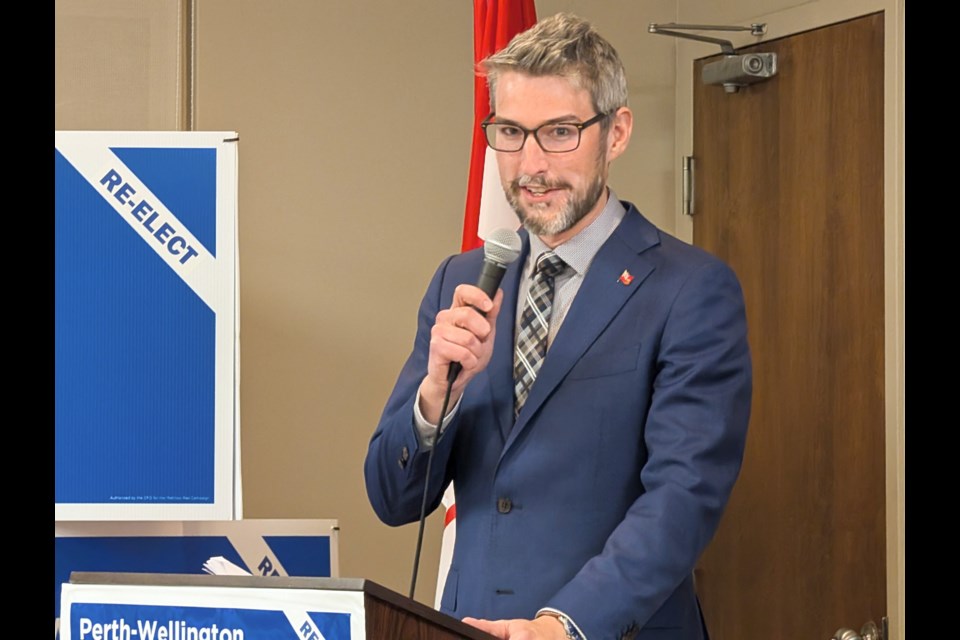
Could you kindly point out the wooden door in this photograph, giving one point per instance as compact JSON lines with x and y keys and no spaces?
{"x":788,"y":189}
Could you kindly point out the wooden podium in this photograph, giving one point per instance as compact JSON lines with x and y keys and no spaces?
{"x":381,"y":614}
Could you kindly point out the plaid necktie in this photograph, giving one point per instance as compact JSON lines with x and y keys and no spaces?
{"x":534,"y":326}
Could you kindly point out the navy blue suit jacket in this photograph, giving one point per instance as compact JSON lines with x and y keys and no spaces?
{"x":598,"y":500}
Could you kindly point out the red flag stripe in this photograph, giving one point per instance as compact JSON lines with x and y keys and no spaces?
{"x":451,"y":515}
{"x":495,"y":22}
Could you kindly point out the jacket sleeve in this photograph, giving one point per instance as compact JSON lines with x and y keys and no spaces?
{"x":396,"y":465}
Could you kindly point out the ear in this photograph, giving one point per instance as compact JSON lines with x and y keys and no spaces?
{"x":619,"y":135}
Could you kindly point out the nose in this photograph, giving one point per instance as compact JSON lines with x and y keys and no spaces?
{"x":533,"y":159}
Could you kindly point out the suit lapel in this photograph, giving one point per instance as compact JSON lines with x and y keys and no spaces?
{"x":601,"y":296}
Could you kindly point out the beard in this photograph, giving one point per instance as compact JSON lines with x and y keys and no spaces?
{"x":535,"y":218}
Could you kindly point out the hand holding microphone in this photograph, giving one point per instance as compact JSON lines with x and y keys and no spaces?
{"x":462,"y":336}
{"x":499,"y":251}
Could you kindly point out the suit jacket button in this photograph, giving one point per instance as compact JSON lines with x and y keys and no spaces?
{"x":404,"y":456}
{"x":504,"y":505}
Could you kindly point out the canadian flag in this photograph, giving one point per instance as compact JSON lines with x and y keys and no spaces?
{"x":446,"y":544}
{"x":495,"y":22}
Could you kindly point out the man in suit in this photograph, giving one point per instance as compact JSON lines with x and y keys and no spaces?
{"x":597,"y":426}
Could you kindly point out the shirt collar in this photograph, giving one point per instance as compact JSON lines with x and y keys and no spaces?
{"x":578,"y":251}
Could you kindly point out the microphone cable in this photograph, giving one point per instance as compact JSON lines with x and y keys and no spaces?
{"x":451,"y":376}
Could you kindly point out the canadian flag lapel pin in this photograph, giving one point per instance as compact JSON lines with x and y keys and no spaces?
{"x":625,"y":278}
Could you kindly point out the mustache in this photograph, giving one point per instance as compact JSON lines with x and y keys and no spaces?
{"x":537,"y":181}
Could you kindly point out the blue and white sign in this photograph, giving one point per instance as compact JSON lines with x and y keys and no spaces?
{"x":307,"y":548}
{"x":143,"y":612}
{"x":146,"y":329}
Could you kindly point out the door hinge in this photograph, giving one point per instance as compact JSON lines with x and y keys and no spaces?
{"x":687,"y":170}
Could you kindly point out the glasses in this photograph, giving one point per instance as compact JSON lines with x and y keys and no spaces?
{"x":553,"y":137}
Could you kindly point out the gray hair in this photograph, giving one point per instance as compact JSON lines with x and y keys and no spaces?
{"x":563,"y":45}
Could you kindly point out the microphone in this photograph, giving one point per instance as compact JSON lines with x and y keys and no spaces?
{"x":500,"y":249}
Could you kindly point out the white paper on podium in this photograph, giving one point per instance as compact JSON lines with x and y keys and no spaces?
{"x":220,"y":566}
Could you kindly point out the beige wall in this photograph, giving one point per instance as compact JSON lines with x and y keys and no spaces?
{"x":354,"y":121}
{"x":119,"y":64}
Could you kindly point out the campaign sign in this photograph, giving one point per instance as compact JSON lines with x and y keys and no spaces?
{"x":145,"y":326}
{"x":307,"y":548}
{"x":154,"y":612}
